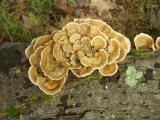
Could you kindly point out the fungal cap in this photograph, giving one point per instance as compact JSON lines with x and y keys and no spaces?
{"x":59,"y":54}
{"x":58,"y":35}
{"x":158,"y":43}
{"x":29,"y":50}
{"x":144,"y":41}
{"x":33,"y":74}
{"x":41,"y":41}
{"x":50,"y":87}
{"x":74,"y":37}
{"x":97,"y":23}
{"x":124,"y":42}
{"x":98,"y":42}
{"x":35,"y":57}
{"x":85,"y":28}
{"x":113,"y":50}
{"x":83,"y":71}
{"x":93,"y":31}
{"x":122,"y":55}
{"x":52,"y":68}
{"x":72,"y":27}
{"x":107,"y":29}
{"x":109,"y":69}
{"x":98,"y":60}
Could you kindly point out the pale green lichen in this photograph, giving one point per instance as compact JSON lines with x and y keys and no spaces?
{"x":132,"y":76}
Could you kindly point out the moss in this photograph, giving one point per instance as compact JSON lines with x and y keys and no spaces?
{"x":140,"y":53}
{"x":98,"y":76}
{"x":70,"y":100}
{"x":76,"y":87}
{"x":45,"y":97}
{"x":88,"y":79}
{"x":12,"y":112}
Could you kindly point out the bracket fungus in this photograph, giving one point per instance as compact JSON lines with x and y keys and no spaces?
{"x":144,"y":41}
{"x":158,"y":43}
{"x":81,"y":46}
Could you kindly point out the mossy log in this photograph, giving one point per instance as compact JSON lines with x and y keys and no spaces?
{"x":89,"y":98}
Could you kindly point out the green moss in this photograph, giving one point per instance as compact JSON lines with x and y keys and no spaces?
{"x":76,"y":87}
{"x":12,"y":112}
{"x":88,"y":79}
{"x":45,"y":97}
{"x":98,"y":76}
{"x":70,"y":100}
{"x":140,"y":53}
{"x":132,"y":76}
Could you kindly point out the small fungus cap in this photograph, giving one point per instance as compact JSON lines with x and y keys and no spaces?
{"x":113,"y":50}
{"x":41,"y":41}
{"x":29,"y":50}
{"x":36,"y":56}
{"x":50,"y":87}
{"x":33,"y":74}
{"x":158,"y":43}
{"x":109,"y":69}
{"x":144,"y":41}
{"x":52,"y":68}
{"x":82,"y":71}
{"x":98,"y":42}
{"x":122,"y":56}
{"x":98,"y":60}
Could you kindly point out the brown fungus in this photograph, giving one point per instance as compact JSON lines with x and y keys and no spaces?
{"x":49,"y":86}
{"x":113,"y":50}
{"x":29,"y":50}
{"x":98,"y":60}
{"x":81,"y":46}
{"x":82,"y":71}
{"x":109,"y":69}
{"x":52,"y":68}
{"x":144,"y":41}
{"x":158,"y":43}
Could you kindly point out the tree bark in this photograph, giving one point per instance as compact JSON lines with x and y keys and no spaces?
{"x":89,"y":98}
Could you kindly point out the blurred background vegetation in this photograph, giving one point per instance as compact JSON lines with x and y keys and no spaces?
{"x":22,"y":20}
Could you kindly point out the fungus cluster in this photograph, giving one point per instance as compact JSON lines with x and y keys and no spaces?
{"x":82,"y":46}
{"x":145,"y":41}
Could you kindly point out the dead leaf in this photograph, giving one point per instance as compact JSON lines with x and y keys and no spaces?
{"x":26,"y":21}
{"x":63,"y":6}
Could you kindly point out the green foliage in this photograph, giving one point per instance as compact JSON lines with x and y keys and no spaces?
{"x":40,"y":6}
{"x":34,"y":99}
{"x":45,"y":97}
{"x":88,"y":79}
{"x":139,"y":53}
{"x":12,"y":112}
{"x":12,"y":26}
{"x":70,"y":100}
{"x":132,"y":76}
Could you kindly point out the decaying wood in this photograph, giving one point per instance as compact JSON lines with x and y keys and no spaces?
{"x":89,"y":98}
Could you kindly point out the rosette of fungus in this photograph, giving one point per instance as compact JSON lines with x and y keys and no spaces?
{"x":82,"y":46}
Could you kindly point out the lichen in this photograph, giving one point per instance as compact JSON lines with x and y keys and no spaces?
{"x":132,"y":76}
